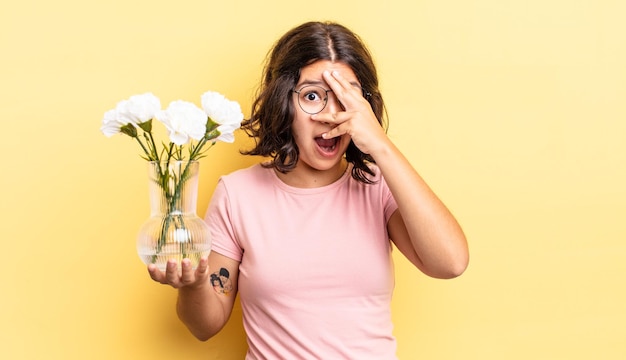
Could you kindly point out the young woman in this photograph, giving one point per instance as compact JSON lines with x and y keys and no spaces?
{"x":305,"y":238}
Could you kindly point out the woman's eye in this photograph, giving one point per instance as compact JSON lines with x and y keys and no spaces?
{"x":312,"y":96}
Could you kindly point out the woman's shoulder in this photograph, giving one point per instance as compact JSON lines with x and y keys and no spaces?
{"x":255,"y":175}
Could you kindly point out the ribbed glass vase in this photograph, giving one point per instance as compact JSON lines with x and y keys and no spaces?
{"x":174,"y":230}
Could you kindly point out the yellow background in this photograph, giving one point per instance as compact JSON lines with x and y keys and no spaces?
{"x":514,"y":112}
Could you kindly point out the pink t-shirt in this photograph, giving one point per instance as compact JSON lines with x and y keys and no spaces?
{"x":315,"y":274}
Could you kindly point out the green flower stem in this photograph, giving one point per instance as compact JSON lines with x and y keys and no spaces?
{"x":194,"y":151}
{"x":197,"y":151}
{"x":173,"y":199}
{"x":143,"y":147}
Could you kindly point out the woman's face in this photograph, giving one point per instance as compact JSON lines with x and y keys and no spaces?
{"x":317,"y":153}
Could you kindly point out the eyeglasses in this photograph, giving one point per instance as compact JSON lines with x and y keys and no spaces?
{"x":313,"y":99}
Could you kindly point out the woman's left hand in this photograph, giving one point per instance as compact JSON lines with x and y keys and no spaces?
{"x":357,"y":118}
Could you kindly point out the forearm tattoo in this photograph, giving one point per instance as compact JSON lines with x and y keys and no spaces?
{"x":221,"y":282}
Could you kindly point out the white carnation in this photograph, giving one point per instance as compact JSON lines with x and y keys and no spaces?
{"x":227,"y":132}
{"x":225,"y":112}
{"x":135,"y":110}
{"x":184,"y":121}
{"x":138,"y":109}
{"x":110,"y":125}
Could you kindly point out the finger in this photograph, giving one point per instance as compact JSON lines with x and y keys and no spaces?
{"x":340,"y":87}
{"x":336,"y":81}
{"x":187,"y":274}
{"x":350,"y":91}
{"x":349,"y":94}
{"x":171,"y":273}
{"x":331,"y":118}
{"x":202,"y":270}
{"x":331,"y":80}
{"x":335,"y":132}
{"x":156,"y":274}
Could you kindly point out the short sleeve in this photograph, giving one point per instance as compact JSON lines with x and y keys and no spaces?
{"x":219,"y":217}
{"x":389,"y":203}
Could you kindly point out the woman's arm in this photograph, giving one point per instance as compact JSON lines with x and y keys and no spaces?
{"x":205,"y":296}
{"x":423,"y":229}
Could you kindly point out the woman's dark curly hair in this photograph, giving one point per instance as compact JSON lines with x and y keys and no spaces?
{"x":273,"y":110}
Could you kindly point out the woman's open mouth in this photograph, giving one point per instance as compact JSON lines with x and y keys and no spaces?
{"x":327,"y":146}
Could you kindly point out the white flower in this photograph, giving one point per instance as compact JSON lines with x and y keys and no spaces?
{"x":138,"y":108}
{"x":110,"y":125}
{"x":183,"y":120}
{"x":225,"y":112}
{"x":135,"y":110}
{"x":186,"y":123}
{"x":227,"y":133}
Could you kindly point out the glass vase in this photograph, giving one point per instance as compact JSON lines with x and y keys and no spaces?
{"x":174,"y":231}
